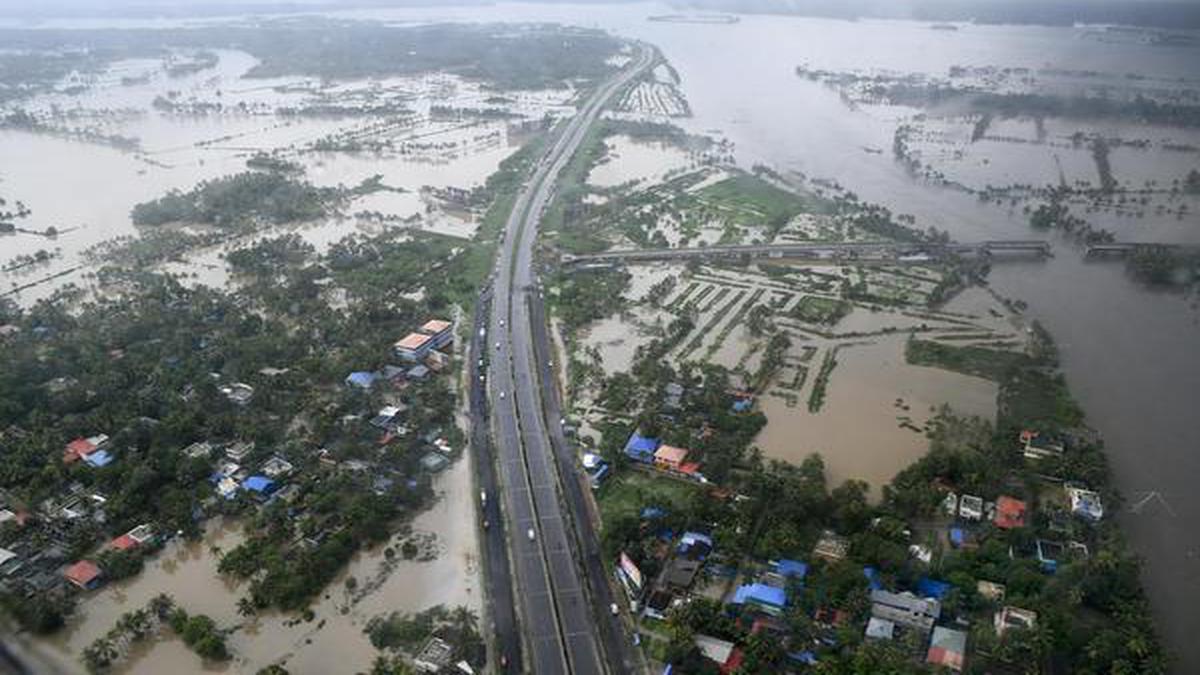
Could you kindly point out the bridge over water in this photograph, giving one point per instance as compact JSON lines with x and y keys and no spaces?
{"x":1124,"y":249}
{"x":832,"y":251}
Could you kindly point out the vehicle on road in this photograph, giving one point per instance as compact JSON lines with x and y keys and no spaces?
{"x":501,"y":394}
{"x":614,"y":609}
{"x":487,"y":524}
{"x":531,"y":534}
{"x":497,"y":346}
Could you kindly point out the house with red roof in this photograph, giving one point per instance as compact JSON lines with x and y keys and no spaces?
{"x":1010,"y":513}
{"x":123,"y":543}
{"x":81,"y":448}
{"x":948,"y":648}
{"x":440,"y":330}
{"x":669,"y":457}
{"x":85,"y":574}
{"x":414,"y":347}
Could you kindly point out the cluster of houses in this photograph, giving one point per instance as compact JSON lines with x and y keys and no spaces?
{"x":668,"y":459}
{"x":910,"y":615}
{"x":34,"y":559}
{"x":764,"y":593}
{"x":421,"y":353}
{"x":232,"y":477}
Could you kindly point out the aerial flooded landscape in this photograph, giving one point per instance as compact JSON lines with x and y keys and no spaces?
{"x":710,"y":337}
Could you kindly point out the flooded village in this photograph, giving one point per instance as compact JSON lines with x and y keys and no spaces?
{"x":826,"y":332}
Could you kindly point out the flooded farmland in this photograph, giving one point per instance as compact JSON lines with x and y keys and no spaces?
{"x":863,"y":431}
{"x":214,"y":122}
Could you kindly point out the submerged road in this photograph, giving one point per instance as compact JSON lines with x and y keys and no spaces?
{"x":557,"y":612}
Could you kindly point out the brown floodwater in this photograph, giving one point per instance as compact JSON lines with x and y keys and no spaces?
{"x":857,"y":431}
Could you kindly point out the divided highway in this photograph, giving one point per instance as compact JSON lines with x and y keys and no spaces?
{"x":557,"y":614}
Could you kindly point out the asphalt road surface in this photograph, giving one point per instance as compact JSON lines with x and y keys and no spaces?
{"x":556,"y":615}
{"x":493,"y":545}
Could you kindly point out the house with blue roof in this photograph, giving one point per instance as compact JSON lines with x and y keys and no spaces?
{"x":361,"y":379}
{"x":652,"y":513}
{"x":790,"y":569}
{"x":641,"y":449}
{"x":932,"y":588}
{"x":261,"y":486}
{"x":770,"y":599}
{"x":695,"y":545}
{"x":99,"y":458}
{"x":872,"y":575}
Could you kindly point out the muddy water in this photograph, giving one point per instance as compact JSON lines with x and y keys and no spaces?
{"x":177,"y":151}
{"x":628,"y":160}
{"x":333,"y":642}
{"x":857,"y":431}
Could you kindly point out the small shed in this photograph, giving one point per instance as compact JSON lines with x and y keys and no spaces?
{"x":361,"y":379}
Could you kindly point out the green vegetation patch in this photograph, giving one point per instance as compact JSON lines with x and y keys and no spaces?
{"x":407,"y":633}
{"x":816,"y":309}
{"x":240,"y":200}
{"x":992,"y":364}
{"x":627,"y":495}
{"x":588,"y":295}
{"x":750,"y":200}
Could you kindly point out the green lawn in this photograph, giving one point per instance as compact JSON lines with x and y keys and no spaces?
{"x":755,"y":201}
{"x":815,"y":309}
{"x":629,"y":491}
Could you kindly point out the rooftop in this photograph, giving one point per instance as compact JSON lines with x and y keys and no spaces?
{"x":99,"y":458}
{"x":1010,"y":513}
{"x":761,"y":594}
{"x":412,"y":341}
{"x":123,"y":543}
{"x":361,"y":378}
{"x":947,"y":648}
{"x":831,"y":546}
{"x":641,"y":444}
{"x":82,"y":573}
{"x":791,"y":568}
{"x":436,"y":326}
{"x":880,"y":629}
{"x":670,"y":454}
{"x":1014,"y":617}
{"x":714,"y":648}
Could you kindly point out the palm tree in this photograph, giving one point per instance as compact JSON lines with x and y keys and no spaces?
{"x":245,"y":607}
{"x":465,"y":620}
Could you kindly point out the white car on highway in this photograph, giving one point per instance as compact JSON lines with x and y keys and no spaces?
{"x":531,"y":534}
